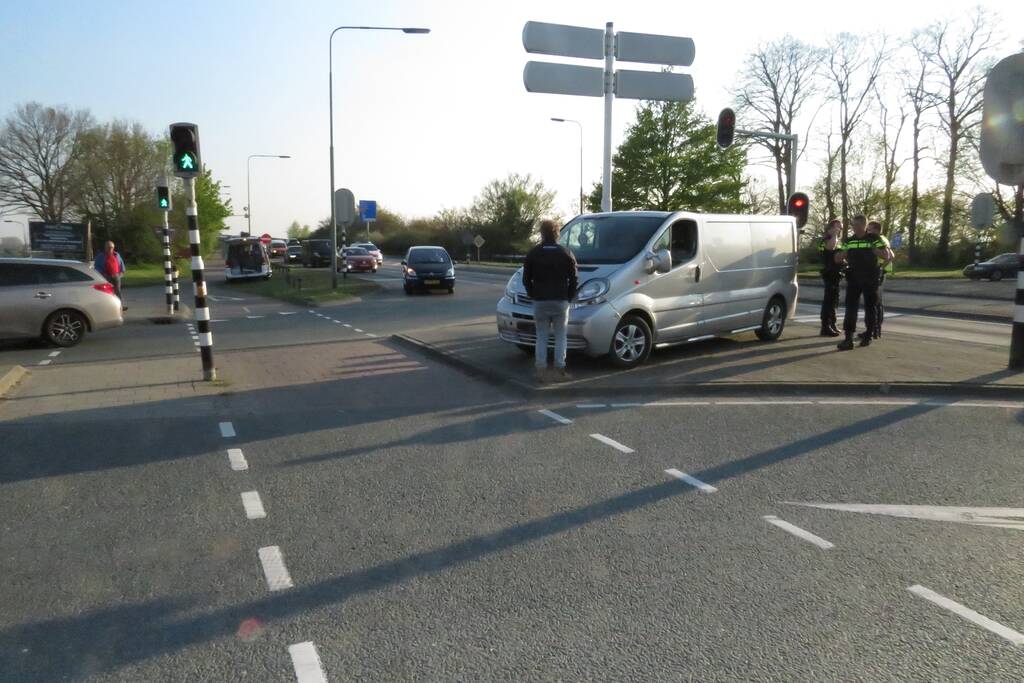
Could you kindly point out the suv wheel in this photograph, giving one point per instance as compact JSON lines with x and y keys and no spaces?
{"x":64,"y":328}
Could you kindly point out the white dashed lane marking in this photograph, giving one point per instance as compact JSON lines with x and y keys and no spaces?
{"x":45,"y":362}
{"x":306,"y":663}
{"x":611,"y":442}
{"x":692,"y":481}
{"x":253,"y":505}
{"x":968,"y":614}
{"x":556,"y":417}
{"x":54,"y":354}
{"x":237,"y":459}
{"x":797,"y":531}
{"x":273,"y":568}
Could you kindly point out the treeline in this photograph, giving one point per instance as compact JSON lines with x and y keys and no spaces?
{"x":892,"y":123}
{"x":64,"y":166}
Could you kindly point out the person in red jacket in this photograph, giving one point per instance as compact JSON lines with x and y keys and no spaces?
{"x":110,"y":265}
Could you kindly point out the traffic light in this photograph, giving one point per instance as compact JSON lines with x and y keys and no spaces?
{"x":185,"y":140}
{"x":798,"y":206}
{"x":726,"y":127}
{"x":163,"y":198}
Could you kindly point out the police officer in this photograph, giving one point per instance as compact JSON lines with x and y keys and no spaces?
{"x":831,"y":275}
{"x":875,"y":230}
{"x":861,"y":253}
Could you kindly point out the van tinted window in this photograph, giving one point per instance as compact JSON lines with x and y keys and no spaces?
{"x":608,"y":239}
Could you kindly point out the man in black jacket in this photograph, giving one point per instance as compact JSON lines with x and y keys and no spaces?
{"x":550,"y":278}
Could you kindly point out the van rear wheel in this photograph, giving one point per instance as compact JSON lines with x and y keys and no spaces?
{"x":773,"y":321}
{"x":631,"y":343}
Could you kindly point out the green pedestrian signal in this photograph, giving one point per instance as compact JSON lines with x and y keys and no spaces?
{"x":187,"y":162}
{"x":185,"y":141}
{"x":163,"y":197}
{"x":163,"y":203}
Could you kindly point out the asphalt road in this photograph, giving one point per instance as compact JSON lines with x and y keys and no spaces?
{"x":403,"y":522}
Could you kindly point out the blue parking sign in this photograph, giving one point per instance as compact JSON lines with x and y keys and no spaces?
{"x":367,"y":210}
{"x":897,"y":240}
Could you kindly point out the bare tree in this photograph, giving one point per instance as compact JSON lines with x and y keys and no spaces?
{"x":38,"y":149}
{"x":956,"y":52}
{"x":854,"y":66}
{"x":778,"y":80}
{"x":889,"y":144}
{"x":914,"y":81}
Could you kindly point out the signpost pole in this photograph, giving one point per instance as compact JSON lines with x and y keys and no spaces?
{"x":177,"y":294}
{"x":1017,"y":340}
{"x":609,"y":96}
{"x":202,"y":313}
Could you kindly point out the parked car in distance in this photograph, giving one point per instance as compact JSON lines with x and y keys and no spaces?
{"x":246,"y":258}
{"x":425,"y":268}
{"x":373,"y":250}
{"x":294,"y":254}
{"x":56,"y":300}
{"x":278,"y":248}
{"x":359,"y":260}
{"x":995,"y":269}
{"x":294,"y":242}
{"x":316,"y":253}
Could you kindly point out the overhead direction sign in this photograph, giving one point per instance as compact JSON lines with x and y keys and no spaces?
{"x":653,"y":85}
{"x":649,"y":48}
{"x":367,"y":210}
{"x":563,"y":41}
{"x":563,"y":79}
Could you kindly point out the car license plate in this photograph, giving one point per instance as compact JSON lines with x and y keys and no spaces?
{"x":432,"y":282}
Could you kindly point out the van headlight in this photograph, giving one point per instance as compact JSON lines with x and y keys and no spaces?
{"x":515,"y":283}
{"x":450,"y":272}
{"x":592,"y":292}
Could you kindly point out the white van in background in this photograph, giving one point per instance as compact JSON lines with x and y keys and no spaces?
{"x":652,"y":278}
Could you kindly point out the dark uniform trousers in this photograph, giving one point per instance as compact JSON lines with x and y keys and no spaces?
{"x":858,"y":285}
{"x":830,"y":300}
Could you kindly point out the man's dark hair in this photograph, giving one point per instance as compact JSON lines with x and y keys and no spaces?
{"x":548,"y":230}
{"x":861,"y":217}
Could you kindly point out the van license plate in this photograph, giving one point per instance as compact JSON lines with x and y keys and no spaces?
{"x":432,"y":282}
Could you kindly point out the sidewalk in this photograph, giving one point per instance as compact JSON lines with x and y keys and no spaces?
{"x":801,"y":362}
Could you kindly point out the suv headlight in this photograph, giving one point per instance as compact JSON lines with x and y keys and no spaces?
{"x":592,"y":292}
{"x":515,"y":284}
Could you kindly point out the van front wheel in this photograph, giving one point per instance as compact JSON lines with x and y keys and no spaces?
{"x":773,"y":321}
{"x":631,"y":343}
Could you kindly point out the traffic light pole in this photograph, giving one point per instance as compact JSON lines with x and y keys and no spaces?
{"x":202,"y":313}
{"x":168,"y":270}
{"x":177,"y":296}
{"x":1017,"y":340}
{"x":609,"y":98}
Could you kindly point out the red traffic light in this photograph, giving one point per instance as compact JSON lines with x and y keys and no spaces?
{"x":798,"y":206}
{"x":726,"y":127}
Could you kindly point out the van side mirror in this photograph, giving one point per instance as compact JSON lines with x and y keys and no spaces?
{"x":659,"y":261}
{"x":404,"y":263}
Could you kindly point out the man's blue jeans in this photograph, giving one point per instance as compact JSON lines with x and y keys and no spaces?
{"x":553,"y":314}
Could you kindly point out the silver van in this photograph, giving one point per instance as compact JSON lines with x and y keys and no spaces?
{"x":652,"y":278}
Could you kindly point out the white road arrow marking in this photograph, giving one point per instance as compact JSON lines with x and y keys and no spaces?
{"x":1002,"y":518}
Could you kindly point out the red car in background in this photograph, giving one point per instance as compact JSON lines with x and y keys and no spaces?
{"x":358,"y":260}
{"x":278,"y":249}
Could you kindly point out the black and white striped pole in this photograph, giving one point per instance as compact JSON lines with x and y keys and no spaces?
{"x":1017,"y":340}
{"x":163,"y":203}
{"x":174,"y":286}
{"x":187,"y":165}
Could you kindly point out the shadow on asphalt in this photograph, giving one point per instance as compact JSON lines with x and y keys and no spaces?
{"x":104,"y":640}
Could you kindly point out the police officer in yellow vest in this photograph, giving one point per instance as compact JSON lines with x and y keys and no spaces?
{"x":862,"y":254}
{"x":831,"y":276}
{"x":875,"y":230}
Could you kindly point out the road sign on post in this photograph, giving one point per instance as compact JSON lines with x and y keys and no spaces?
{"x":265,"y":238}
{"x":344,"y":215}
{"x":478,"y":242}
{"x":367,"y":210}
{"x":586,"y":81}
{"x":983,"y":211}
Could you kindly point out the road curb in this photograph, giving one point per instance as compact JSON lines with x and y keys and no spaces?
{"x":755,"y":389}
{"x":11,"y":378}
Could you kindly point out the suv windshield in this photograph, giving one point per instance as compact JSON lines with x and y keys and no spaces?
{"x":428,"y":256}
{"x":608,"y":239}
{"x":320,"y":246}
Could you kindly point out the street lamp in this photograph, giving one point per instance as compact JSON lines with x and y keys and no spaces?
{"x":330,"y":107}
{"x":24,"y":234}
{"x":581,"y":153}
{"x":248,"y":199}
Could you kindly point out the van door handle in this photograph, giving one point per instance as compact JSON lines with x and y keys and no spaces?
{"x":696,"y":274}
{"x":43,"y":295}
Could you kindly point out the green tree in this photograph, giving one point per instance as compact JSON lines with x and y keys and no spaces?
{"x":298,"y":232}
{"x":507,"y":210}
{"x":670,"y":161}
{"x":212,"y":212}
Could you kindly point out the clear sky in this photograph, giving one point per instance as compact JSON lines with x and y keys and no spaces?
{"x":421,"y":122}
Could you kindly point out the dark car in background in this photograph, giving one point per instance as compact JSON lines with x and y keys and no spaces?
{"x":995,"y":269}
{"x":294,"y":254}
{"x":316,"y":253}
{"x":425,"y":268}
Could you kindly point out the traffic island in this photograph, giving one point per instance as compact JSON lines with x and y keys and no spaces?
{"x":801,"y":363}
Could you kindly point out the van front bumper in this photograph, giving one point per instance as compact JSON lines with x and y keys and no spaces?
{"x":590,"y":327}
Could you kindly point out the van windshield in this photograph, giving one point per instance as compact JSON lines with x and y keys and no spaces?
{"x":608,"y":239}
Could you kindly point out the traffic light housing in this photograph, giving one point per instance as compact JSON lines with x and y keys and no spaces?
{"x":726,"y":127}
{"x":185,"y":155}
{"x":798,"y":206}
{"x":163,"y":198}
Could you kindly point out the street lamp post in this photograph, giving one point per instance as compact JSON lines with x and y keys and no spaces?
{"x":330,"y":109}
{"x":248,"y":198}
{"x":581,"y":153}
{"x":24,"y":233}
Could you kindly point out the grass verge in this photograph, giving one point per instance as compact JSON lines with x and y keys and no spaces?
{"x":316,"y":287}
{"x":149,"y":274}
